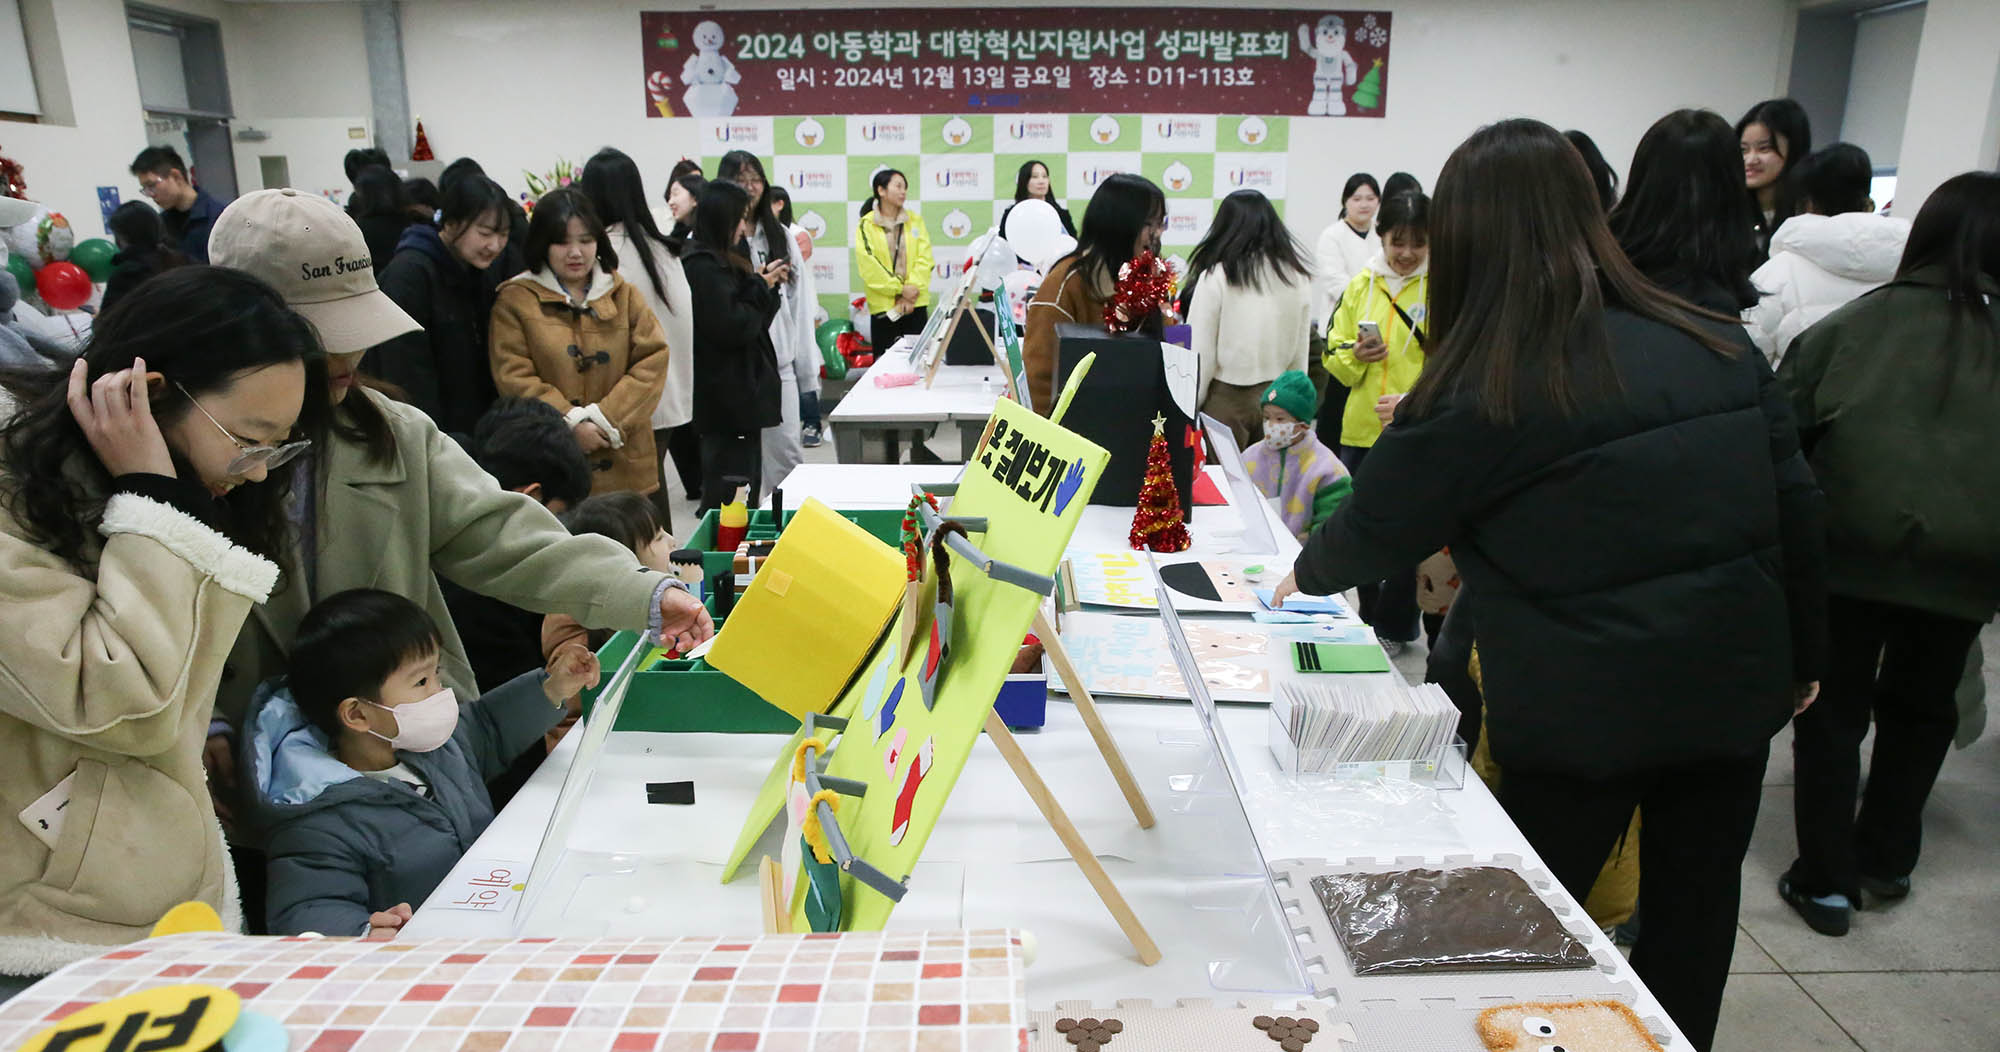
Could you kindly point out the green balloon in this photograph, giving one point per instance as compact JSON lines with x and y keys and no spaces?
{"x":94,"y":256}
{"x":23,"y":271}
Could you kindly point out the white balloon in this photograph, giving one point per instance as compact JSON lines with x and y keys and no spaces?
{"x":1035,"y":231}
{"x":996,"y":260}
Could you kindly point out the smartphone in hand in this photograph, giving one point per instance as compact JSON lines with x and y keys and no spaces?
{"x":1369,"y":330}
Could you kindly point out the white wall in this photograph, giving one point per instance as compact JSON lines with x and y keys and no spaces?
{"x":297,"y":60}
{"x":570,"y":77}
{"x":1954,"y":114}
{"x":1878,"y":88}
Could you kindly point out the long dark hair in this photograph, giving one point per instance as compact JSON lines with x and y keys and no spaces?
{"x":1250,"y":240}
{"x":1522,"y":269}
{"x":1786,"y":120}
{"x":781,"y":201}
{"x":612,"y":182}
{"x":201,"y":327}
{"x":1958,"y":230}
{"x":1684,"y":221}
{"x":1026,"y":173}
{"x":549,"y":225}
{"x":1835,"y":180}
{"x":1602,"y":175}
{"x":735,"y":163}
{"x":378,"y":192}
{"x":1122,"y":206}
{"x":716,"y":212}
{"x":1356,"y":182}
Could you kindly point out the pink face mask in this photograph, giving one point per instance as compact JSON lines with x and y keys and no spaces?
{"x":422,"y":726}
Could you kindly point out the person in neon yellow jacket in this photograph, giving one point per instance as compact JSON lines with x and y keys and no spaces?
{"x":892,"y":256}
{"x":1392,"y":291}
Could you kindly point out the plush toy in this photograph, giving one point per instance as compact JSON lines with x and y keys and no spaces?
{"x":23,"y":236}
{"x":1333,"y":69}
{"x":54,"y":238}
{"x":709,"y":74}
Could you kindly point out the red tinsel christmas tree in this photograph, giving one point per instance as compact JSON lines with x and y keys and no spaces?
{"x":422,"y":151}
{"x":1145,"y":285}
{"x":1158,"y":523}
{"x":11,"y":182}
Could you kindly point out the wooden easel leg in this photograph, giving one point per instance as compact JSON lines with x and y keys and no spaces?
{"x":1093,"y":870}
{"x":771,"y":895}
{"x":1087,"y":707}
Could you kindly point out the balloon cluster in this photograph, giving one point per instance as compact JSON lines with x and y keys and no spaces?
{"x":1145,"y":285}
{"x":43,"y":254}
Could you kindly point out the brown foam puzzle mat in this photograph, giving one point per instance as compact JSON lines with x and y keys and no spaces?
{"x":1332,"y":977}
{"x":1187,"y":1026}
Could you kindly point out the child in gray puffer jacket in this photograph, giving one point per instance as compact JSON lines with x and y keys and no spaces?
{"x":368,"y":775}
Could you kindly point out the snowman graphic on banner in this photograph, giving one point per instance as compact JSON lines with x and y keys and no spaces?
{"x":1333,"y":67}
{"x":709,"y":74}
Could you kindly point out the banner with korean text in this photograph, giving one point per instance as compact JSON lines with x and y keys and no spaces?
{"x":945,"y":60}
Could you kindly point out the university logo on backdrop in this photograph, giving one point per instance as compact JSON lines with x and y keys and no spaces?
{"x":811,"y":177}
{"x":1178,"y":132}
{"x":1250,"y":171}
{"x":1039,"y":132}
{"x":874,"y":134}
{"x":957,"y":177}
{"x":737,"y":133}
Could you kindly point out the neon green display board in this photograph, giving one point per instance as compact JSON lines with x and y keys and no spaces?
{"x":1030,"y":480}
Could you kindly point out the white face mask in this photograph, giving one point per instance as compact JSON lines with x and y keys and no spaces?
{"x":1283,"y":435}
{"x":422,"y":726}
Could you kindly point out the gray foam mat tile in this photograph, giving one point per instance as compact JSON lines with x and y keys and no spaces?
{"x":1328,"y":969}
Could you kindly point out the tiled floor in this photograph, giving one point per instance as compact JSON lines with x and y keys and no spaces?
{"x":1921,"y":975}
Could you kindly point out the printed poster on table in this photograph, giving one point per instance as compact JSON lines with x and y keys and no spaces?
{"x":1120,"y":60}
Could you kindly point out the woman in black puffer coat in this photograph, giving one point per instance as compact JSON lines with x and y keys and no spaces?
{"x":1618,"y":477}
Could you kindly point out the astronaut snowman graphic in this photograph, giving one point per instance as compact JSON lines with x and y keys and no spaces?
{"x":709,"y":74}
{"x":1333,"y":69}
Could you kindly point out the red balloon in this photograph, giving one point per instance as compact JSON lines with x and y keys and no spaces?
{"x":64,"y":286}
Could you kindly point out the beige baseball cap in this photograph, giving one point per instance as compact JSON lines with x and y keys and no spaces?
{"x":314,"y":255}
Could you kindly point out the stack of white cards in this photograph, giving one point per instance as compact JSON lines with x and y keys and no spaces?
{"x":1334,"y":720}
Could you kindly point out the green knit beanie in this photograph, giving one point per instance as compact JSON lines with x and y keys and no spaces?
{"x":1293,"y":393}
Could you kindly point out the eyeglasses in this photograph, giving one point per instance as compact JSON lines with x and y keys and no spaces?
{"x":251,"y":454}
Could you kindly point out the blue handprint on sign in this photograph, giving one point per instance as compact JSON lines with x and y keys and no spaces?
{"x":1071,"y":483}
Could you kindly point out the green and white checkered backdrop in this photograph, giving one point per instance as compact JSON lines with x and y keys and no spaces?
{"x":962,"y":169}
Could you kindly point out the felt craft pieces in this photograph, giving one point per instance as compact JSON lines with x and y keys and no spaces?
{"x":1574,"y":1026}
{"x":906,"y":800}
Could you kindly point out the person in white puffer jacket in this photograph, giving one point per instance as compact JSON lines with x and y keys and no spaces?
{"x":1832,"y":252}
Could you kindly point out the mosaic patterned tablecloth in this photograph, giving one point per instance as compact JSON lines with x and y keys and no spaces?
{"x":946,"y":991}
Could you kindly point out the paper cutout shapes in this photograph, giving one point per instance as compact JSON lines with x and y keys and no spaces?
{"x":163,"y":1019}
{"x":887,"y":717}
{"x":871,"y":699}
{"x":1213,"y":581}
{"x":822,"y":899}
{"x":920,"y":765}
{"x":895,"y":750}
